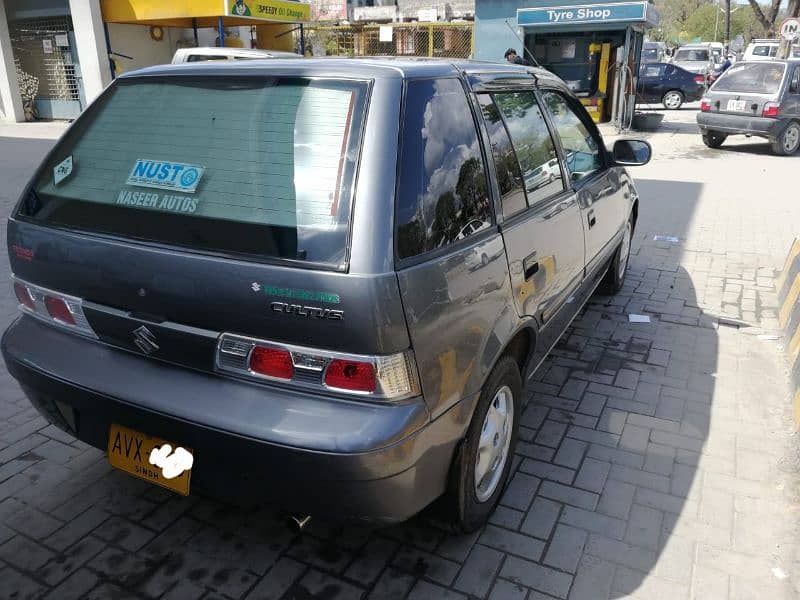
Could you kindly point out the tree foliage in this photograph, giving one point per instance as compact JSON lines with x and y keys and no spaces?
{"x":689,"y":20}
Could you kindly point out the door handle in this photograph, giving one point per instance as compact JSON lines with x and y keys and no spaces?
{"x":531,"y":266}
{"x":591,"y":218}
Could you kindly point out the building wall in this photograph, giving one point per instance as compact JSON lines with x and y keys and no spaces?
{"x":495,"y":27}
{"x":135,"y":41}
{"x":328,"y":10}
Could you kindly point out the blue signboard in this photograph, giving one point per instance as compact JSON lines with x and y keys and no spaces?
{"x":616,"y":12}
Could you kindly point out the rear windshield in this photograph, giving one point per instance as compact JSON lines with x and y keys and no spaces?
{"x":753,"y":77}
{"x":692,"y":55}
{"x":250,"y":165}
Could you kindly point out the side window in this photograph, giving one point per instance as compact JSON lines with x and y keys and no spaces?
{"x":670,"y":70}
{"x":541,"y":170}
{"x":652,"y":71}
{"x":442,"y":193}
{"x":509,"y":178}
{"x":581,"y":148}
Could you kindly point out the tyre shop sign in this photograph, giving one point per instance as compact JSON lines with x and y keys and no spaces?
{"x":584,"y":13}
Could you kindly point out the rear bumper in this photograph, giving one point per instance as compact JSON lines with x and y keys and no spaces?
{"x":740,"y":124}
{"x":380,"y":463}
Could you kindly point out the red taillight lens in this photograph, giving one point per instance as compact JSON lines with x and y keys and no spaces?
{"x":272,"y":362}
{"x":700,"y":79}
{"x":24,"y":296}
{"x":351,"y":375}
{"x":770,"y":110}
{"x":705,"y":105}
{"x":58,"y":309}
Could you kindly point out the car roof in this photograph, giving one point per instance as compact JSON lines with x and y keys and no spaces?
{"x":356,"y":68}
{"x":228,"y":51}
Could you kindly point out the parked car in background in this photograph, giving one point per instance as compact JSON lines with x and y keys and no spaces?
{"x":758,"y":50}
{"x":754,"y":98}
{"x":277,"y":289}
{"x":669,"y":84}
{"x":695,"y":58}
{"x":184,"y":55}
{"x":653,"y":52}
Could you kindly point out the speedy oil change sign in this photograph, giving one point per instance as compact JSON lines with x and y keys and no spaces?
{"x":270,"y":10}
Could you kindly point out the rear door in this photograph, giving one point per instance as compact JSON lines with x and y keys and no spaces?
{"x":600,"y":192}
{"x":651,"y":82}
{"x":541,"y":219}
{"x":450,"y":263}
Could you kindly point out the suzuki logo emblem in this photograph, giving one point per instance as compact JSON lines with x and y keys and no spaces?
{"x":145,"y":340}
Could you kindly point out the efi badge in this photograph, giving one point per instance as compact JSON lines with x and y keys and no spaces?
{"x":164,"y":175}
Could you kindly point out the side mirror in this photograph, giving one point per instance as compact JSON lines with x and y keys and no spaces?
{"x":632,"y":153}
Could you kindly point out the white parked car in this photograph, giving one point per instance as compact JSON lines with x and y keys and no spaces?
{"x":184,"y":55}
{"x":761,"y":50}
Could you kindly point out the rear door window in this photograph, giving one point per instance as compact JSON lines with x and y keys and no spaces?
{"x":541,"y":169}
{"x":509,"y":177}
{"x":252,"y":165}
{"x":442,"y":192}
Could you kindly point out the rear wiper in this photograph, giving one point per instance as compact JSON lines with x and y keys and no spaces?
{"x":33,"y":203}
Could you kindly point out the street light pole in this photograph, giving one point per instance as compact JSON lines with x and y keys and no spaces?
{"x":716,"y":21}
{"x":727,"y":39}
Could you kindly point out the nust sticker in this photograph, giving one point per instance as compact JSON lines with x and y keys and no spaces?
{"x":179,"y":177}
{"x":62,"y":170}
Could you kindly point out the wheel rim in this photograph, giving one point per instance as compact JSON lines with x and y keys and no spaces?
{"x":494,"y":443}
{"x":624,"y":251}
{"x":791,"y":138}
{"x":672,"y":100}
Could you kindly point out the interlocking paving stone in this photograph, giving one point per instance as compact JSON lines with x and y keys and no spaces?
{"x":648,"y":464}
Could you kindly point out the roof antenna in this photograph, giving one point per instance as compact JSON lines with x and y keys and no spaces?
{"x":521,"y":41}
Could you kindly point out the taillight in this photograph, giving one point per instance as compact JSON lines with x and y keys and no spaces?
{"x":24,"y":296}
{"x":388,"y":377}
{"x":700,"y":79}
{"x":58,"y":309}
{"x":705,"y":105}
{"x":52,"y":307}
{"x":771,"y":109}
{"x":351,"y":375}
{"x":271,"y":362}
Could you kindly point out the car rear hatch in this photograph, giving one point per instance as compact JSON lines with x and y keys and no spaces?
{"x":178,"y":208}
{"x":747,"y":89}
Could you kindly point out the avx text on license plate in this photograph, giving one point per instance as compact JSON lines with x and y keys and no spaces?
{"x":129,"y":451}
{"x":737,"y":105}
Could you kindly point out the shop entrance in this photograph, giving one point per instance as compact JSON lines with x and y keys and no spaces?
{"x":47,"y":66}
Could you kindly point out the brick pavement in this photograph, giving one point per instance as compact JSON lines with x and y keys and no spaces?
{"x":656,"y":459}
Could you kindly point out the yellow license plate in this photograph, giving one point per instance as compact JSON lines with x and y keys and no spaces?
{"x":133,"y":452}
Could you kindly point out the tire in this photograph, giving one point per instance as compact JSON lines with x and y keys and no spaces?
{"x":468,"y":506}
{"x":672,"y":100}
{"x":484,"y":260}
{"x":788,"y":141}
{"x":615,"y":276}
{"x":714,"y":139}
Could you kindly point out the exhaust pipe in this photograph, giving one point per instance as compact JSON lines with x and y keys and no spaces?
{"x":297,"y":523}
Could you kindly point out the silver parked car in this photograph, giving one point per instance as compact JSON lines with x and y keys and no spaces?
{"x":327,"y":283}
{"x":755,"y":99}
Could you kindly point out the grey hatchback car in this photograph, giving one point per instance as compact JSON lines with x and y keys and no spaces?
{"x":260,"y":279}
{"x":755,"y":99}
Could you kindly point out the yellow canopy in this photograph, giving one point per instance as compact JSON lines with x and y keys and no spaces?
{"x":180,"y":13}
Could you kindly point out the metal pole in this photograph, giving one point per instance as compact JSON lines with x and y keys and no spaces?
{"x":108,"y":50}
{"x":194,"y":28}
{"x":221,"y":27}
{"x":716,"y":21}
{"x":302,"y":40}
{"x":727,"y":40}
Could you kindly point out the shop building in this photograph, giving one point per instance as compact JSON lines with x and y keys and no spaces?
{"x":56,"y":56}
{"x":595,"y":47}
